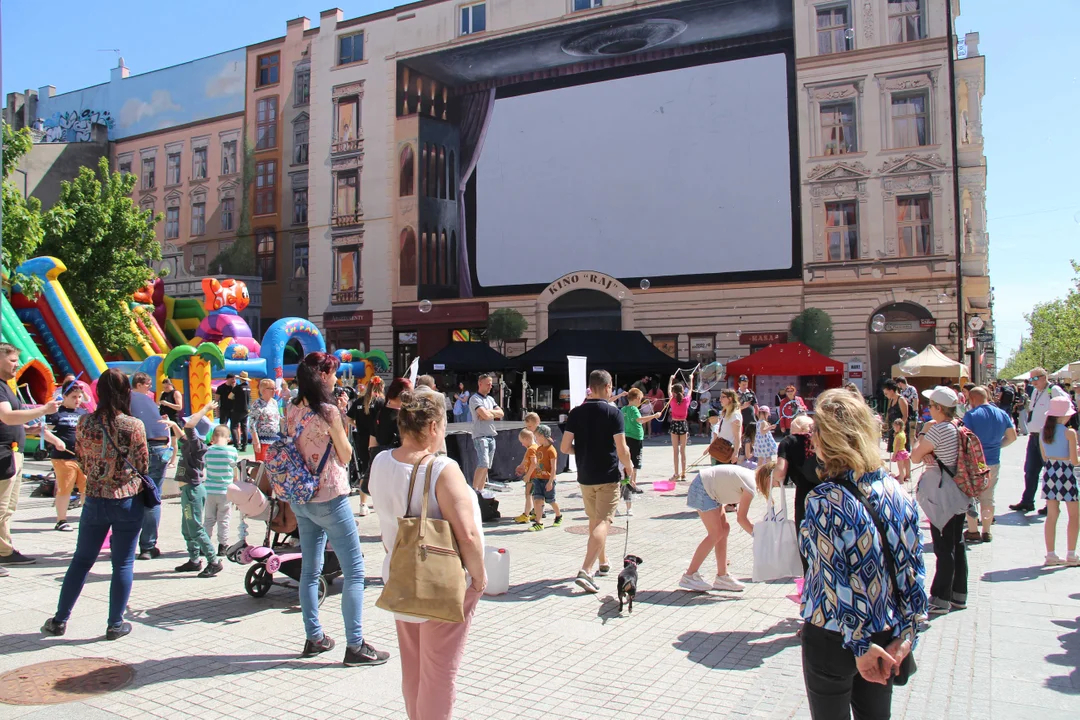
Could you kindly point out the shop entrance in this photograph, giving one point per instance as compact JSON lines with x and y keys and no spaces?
{"x":906,"y":325}
{"x":584,"y":310}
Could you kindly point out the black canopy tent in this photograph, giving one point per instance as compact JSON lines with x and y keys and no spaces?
{"x":617,"y":351}
{"x":467,"y":357}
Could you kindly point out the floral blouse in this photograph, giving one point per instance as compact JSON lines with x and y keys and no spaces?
{"x":264,"y":418}
{"x":107,"y":475}
{"x":314,"y":440}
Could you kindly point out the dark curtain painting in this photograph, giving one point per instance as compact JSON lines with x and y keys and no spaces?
{"x":475,"y":116}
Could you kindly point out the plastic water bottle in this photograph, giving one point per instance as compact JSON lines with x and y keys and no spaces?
{"x":497,"y":563}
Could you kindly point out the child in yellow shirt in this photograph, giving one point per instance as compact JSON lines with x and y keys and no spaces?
{"x":524,"y":470}
{"x":543,"y":480}
{"x":901,"y":456}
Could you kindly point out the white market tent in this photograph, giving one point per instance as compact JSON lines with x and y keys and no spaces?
{"x":1025,"y":376}
{"x":1065,"y":373}
{"x":931,"y":363}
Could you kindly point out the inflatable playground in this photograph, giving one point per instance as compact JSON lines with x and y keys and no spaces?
{"x":195,"y":344}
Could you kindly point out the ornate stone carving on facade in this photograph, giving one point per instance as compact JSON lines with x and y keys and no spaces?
{"x":834,"y":92}
{"x":347,"y":163}
{"x":354,"y":237}
{"x":353,"y":88}
{"x":868,"y":20}
{"x":838,"y":171}
{"x":911,"y":183}
{"x":913,"y":163}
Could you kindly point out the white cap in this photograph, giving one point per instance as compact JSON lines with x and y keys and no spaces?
{"x":941,"y":395}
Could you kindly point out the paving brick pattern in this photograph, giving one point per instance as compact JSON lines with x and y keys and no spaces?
{"x":203,"y":647}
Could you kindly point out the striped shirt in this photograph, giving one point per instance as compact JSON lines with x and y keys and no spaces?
{"x":221,"y":460}
{"x":944,"y":435}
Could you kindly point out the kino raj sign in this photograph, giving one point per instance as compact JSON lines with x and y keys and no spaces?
{"x":578,"y":280}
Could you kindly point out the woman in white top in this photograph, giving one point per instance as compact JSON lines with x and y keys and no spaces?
{"x":729,"y":423}
{"x":431,"y":651}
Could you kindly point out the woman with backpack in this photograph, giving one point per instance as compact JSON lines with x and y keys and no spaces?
{"x":943,"y":502}
{"x":324,"y":443}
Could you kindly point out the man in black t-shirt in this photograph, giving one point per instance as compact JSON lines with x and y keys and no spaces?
{"x":594,"y":435}
{"x":241,"y":395}
{"x":12,"y":439}
{"x":748,"y":407}
{"x":224,"y":400}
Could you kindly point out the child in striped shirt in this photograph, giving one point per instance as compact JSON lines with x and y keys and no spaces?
{"x":221,"y":471}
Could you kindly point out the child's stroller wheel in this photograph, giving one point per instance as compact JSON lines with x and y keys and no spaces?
{"x":258,"y":581}
{"x":323,"y":588}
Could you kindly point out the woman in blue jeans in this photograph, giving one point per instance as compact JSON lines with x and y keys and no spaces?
{"x":112,"y":501}
{"x":328,"y":516}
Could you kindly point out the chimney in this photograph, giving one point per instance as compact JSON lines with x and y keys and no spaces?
{"x":47,"y":91}
{"x":972,"y":42}
{"x":119,"y":72}
{"x":302,"y":22}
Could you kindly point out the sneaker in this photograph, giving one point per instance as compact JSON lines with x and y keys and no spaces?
{"x":958,"y":604}
{"x":314,"y":647}
{"x":4,"y":571}
{"x":1042,"y":511}
{"x":190,"y":566}
{"x":726,"y":582}
{"x":586,"y":583}
{"x":365,"y":656}
{"x":144,"y":555}
{"x":154,"y":553}
{"x":53,"y":626}
{"x":363,"y":510}
{"x":972,"y":536}
{"x":558,"y":521}
{"x":522,"y":519}
{"x":1052,"y":559}
{"x":63,"y":526}
{"x":987,"y":537}
{"x":629,"y":512}
{"x":16,"y":558}
{"x":1021,"y":507}
{"x":1072,"y":559}
{"x":694,"y":583}
{"x":115,"y":632}
{"x":603,"y":570}
{"x":938,"y":607}
{"x":212,"y":569}
{"x":221,"y":549}
{"x":536,"y":527}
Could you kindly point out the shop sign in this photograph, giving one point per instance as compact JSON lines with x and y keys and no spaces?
{"x":855,"y":365}
{"x":513,"y":348}
{"x":579,"y":280}
{"x":439,"y":366}
{"x":855,"y":374}
{"x":361,"y":318}
{"x":902,"y":326}
{"x":701,"y":344}
{"x":767,"y":338}
{"x":985,"y":337}
{"x":928,"y":323}
{"x":538,"y":368}
{"x":407,"y":338}
{"x":830,"y":368}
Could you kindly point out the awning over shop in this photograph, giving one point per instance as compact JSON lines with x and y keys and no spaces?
{"x":466,"y":357}
{"x":792,"y":358}
{"x":617,"y":351}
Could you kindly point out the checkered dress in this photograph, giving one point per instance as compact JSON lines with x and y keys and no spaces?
{"x":1059,"y":482}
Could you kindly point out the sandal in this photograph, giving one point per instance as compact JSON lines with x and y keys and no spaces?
{"x":63,"y":526}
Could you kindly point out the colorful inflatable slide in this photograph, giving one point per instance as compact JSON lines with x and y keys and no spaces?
{"x":162,"y":322}
{"x":34,"y":373}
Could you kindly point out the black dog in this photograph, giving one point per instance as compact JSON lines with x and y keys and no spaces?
{"x":628,"y":581}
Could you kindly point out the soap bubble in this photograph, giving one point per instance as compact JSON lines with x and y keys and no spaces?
{"x":425,"y":306}
{"x":942,"y":298}
{"x":877,"y":323}
{"x":906,"y":355}
{"x":622,"y":294}
{"x":644,"y":284}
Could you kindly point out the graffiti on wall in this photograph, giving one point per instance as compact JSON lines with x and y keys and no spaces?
{"x":74,"y":126}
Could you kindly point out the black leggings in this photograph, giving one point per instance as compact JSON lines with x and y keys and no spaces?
{"x":834,"y":687}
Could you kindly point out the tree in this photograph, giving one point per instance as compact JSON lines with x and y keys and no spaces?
{"x":236,"y":260}
{"x":24,"y":224}
{"x":1053,"y":334}
{"x":108,"y":251}
{"x":813,"y":328}
{"x":506,"y":324}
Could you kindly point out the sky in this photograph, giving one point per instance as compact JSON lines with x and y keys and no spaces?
{"x":1029,"y":111}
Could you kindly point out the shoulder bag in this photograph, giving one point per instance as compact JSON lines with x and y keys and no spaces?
{"x":720,"y":449}
{"x":149,"y":492}
{"x":427,"y":579}
{"x":776,"y":544}
{"x":907,"y":666}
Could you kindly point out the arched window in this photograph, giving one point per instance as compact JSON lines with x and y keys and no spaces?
{"x":407,"y":258}
{"x":423,"y":264}
{"x":452,"y":264}
{"x":442,"y":172}
{"x":407,"y":172}
{"x":433,"y":173}
{"x":442,"y":258}
{"x":423,"y":170}
{"x":451,"y":169}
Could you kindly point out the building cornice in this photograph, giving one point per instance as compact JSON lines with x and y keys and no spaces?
{"x":876,"y":53}
{"x":185,"y":126}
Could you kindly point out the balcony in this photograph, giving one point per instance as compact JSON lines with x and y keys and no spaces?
{"x":346,"y":296}
{"x":340,"y":146}
{"x":347,"y":218}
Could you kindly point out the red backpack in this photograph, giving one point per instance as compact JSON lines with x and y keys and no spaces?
{"x":972,"y":474}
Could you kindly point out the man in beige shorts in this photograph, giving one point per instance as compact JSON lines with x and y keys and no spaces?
{"x":594,"y":433}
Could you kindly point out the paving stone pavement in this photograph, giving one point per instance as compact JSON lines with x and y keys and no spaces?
{"x":203,"y":647}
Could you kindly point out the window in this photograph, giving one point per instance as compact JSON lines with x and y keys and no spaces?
{"x":228,"y":157}
{"x":266,"y":254}
{"x":909,"y":120}
{"x":838,"y":129}
{"x":473,"y":18}
{"x":300,"y":261}
{"x":668,"y":344}
{"x":841,"y":230}
{"x":265,"y":182}
{"x":172,"y":169}
{"x":227,"y":207}
{"x":300,"y":145}
{"x":586,"y":4}
{"x":198,"y":163}
{"x":347,"y":274}
{"x":408,"y":172}
{"x":347,"y":195}
{"x":148,"y":165}
{"x":407,"y":258}
{"x":834,"y":31}
{"x":266,"y":123}
{"x":300,"y":207}
{"x":348,"y":120}
{"x":913,"y":226}
{"x":125,"y":168}
{"x":268,"y":69}
{"x":350,"y":48}
{"x":172,"y":223}
{"x":905,"y":21}
{"x":198,"y":218}
{"x":303,"y":87}
{"x":198,"y":262}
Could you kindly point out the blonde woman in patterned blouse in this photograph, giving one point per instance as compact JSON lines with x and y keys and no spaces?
{"x":103,"y":441}
{"x":264,"y":418}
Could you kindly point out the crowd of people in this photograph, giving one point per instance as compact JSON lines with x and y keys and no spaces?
{"x":855,"y":518}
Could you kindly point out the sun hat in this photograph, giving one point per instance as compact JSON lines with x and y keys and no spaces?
{"x":543,"y":431}
{"x":1061,"y":407}
{"x":941,"y":395}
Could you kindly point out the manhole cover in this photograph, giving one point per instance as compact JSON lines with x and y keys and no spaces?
{"x":61,"y":681}
{"x":584,"y":530}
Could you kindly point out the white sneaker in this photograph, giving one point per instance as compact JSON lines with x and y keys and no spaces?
{"x":694,"y":583}
{"x":630,"y":512}
{"x":1072,"y":559}
{"x":363,"y":510}
{"x":1053,"y":559}
{"x":726,"y":582}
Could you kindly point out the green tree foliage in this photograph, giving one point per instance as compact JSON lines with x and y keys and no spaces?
{"x":236,"y":260}
{"x":1053,"y":334}
{"x":108,"y":250}
{"x":813,"y":328}
{"x":506,"y":324}
{"x":24,"y":224}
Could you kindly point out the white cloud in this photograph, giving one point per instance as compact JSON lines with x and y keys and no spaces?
{"x":136,"y":110}
{"x":230,"y":81}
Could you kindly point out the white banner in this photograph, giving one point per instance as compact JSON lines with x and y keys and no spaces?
{"x":578,"y":381}
{"x":414,"y":370}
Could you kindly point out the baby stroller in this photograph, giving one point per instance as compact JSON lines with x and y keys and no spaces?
{"x":280,"y":550}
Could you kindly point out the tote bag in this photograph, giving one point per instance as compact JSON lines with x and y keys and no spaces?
{"x":776,"y":547}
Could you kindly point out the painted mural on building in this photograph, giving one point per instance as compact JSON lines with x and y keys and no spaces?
{"x":156,"y":100}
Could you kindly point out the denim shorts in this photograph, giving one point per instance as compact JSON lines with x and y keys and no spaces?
{"x":698,"y":499}
{"x":485,"y":451}
{"x":539,"y":490}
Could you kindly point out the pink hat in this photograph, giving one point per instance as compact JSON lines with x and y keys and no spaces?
{"x":763,"y":409}
{"x":1061,"y":407}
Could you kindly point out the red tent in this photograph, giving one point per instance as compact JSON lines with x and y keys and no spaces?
{"x":792,"y":358}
